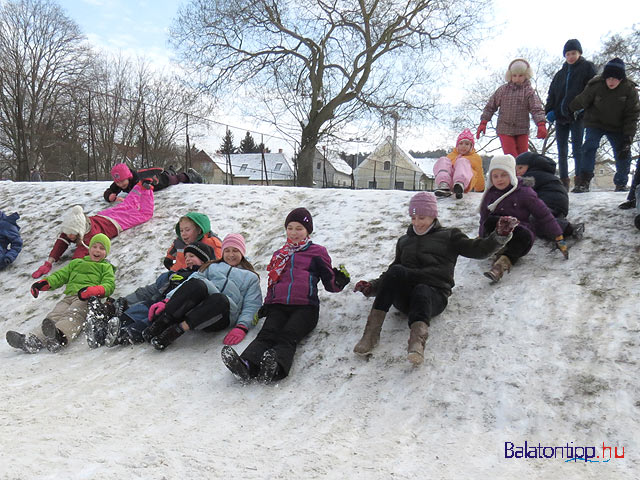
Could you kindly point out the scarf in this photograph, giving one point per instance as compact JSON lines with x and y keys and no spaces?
{"x":281,"y":257}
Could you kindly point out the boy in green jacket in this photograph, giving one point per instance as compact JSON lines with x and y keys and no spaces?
{"x":91,"y":276}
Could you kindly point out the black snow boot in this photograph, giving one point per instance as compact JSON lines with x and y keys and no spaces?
{"x":95,"y":327}
{"x":28,"y":343}
{"x":194,"y":176}
{"x":268,"y":367}
{"x":167,"y":337}
{"x":233,"y":361}
{"x":159,"y":325}
{"x":55,"y":338}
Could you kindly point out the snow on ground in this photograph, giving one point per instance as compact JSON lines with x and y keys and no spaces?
{"x":547,"y":356}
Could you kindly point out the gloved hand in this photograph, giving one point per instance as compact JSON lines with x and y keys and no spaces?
{"x":542,"y":130}
{"x":235,"y":336}
{"x":94,"y":291}
{"x":261,"y":313}
{"x":506,"y":225}
{"x":4,"y":261}
{"x":365,"y":287}
{"x":561,"y":244}
{"x":43,"y":270}
{"x":341,"y":275}
{"x":482,"y":128}
{"x":41,"y":286}
{"x":551,"y":116}
{"x":157,"y":308}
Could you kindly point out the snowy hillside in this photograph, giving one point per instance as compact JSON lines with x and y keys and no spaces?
{"x":548,"y":356}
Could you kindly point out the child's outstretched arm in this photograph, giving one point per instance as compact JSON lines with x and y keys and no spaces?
{"x":328,"y":274}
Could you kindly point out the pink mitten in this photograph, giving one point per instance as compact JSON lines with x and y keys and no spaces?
{"x":235,"y":336}
{"x":157,"y":308}
{"x":506,"y":225}
{"x":43,"y":270}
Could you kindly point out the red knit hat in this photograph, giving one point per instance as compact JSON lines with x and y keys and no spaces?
{"x":423,"y":204}
{"x":120,"y":171}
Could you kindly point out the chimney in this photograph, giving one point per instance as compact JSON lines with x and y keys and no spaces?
{"x":279,"y":150}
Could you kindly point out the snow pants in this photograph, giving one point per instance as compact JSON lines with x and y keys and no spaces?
{"x":401,"y":288}
{"x":452,"y":173}
{"x":520,"y":243}
{"x":284,"y":327}
{"x":69,"y":315}
{"x":193,"y":304}
{"x":514,"y":144}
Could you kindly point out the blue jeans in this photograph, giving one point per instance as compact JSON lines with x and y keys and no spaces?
{"x":562,"y":141}
{"x":590,"y":147}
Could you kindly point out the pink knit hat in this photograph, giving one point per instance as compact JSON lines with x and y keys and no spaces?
{"x":465,"y":135}
{"x":234,"y":240}
{"x":423,"y":204}
{"x":120,"y":171}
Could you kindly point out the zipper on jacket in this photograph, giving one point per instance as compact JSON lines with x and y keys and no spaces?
{"x":290,"y":278}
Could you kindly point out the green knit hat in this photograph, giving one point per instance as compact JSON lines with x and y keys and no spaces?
{"x":103,"y":239}
{"x":200,"y":219}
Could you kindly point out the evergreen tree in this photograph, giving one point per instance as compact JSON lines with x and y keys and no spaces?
{"x":248,"y":144}
{"x":227,"y":143}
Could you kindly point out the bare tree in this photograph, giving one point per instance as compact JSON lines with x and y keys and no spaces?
{"x":323,"y":63}
{"x":42,"y":52}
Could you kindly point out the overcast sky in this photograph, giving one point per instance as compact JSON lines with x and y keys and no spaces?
{"x":140,"y":28}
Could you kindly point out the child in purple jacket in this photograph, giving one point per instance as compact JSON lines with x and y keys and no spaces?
{"x":508,"y":196}
{"x":291,"y":304}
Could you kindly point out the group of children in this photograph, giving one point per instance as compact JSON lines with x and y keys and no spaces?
{"x":211,"y":286}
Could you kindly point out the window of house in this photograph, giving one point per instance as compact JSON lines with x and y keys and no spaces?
{"x":373,"y":184}
{"x":602,"y":171}
{"x":399,"y":185}
{"x":319,"y":165}
{"x":387,"y":165}
{"x":277,"y":167}
{"x":244,"y":167}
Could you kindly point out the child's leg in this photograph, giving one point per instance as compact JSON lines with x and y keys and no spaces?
{"x":425,"y":303}
{"x":562,"y":143}
{"x":622,"y":158}
{"x":56,"y":314}
{"x":392,"y":289}
{"x":190,"y":294}
{"x":589,"y":149}
{"x":71,"y":320}
{"x":443,"y":171}
{"x":508,"y":143}
{"x":462,"y":172}
{"x":577,"y":136}
{"x":212,"y":314}
{"x":277,"y":317}
{"x":522,"y":144}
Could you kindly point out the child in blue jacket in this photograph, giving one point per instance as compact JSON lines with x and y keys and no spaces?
{"x":10,"y":241}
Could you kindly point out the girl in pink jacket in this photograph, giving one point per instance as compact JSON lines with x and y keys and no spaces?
{"x":515,"y":100}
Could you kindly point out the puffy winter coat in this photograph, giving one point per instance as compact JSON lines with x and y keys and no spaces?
{"x":242,"y":288}
{"x":298,"y":281}
{"x":433,"y":256}
{"x":516,"y":102}
{"x":567,"y":83}
{"x":477,"y":181}
{"x":522,"y":203}
{"x":10,"y":241}
{"x":134,"y":210}
{"x":614,"y":110}
{"x":542,"y":178}
{"x":174,"y":260}
{"x":83,"y":272}
{"x":152,"y":172}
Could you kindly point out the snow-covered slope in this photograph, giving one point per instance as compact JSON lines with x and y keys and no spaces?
{"x":548,"y":356}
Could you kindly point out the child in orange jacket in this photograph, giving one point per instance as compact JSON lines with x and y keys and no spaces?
{"x":462,"y":169}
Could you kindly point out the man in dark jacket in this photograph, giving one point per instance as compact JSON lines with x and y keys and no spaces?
{"x":539,"y":173}
{"x":568,"y":82}
{"x":611,"y":109}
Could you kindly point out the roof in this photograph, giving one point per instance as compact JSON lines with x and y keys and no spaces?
{"x":249,"y":165}
{"x":425,"y":164}
{"x":340,"y":165}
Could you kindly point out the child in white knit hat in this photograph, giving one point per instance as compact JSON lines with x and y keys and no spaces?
{"x":515,"y":101}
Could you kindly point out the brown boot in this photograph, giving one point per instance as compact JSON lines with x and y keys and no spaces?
{"x":417,"y":338}
{"x":501,"y":265}
{"x":577,"y":182}
{"x":566,"y":182}
{"x":371,"y":334}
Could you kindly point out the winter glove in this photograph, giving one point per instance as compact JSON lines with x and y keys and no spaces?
{"x":261,"y":313}
{"x":41,"y":286}
{"x":365,"y":287}
{"x":551,"y":116}
{"x":168,"y":263}
{"x":561,"y":244}
{"x":235,"y":336}
{"x":157,"y":308}
{"x":87,"y":292}
{"x":542,"y":130}
{"x":43,"y":270}
{"x":482,"y":128}
{"x":342,"y":277}
{"x":506,"y":225}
